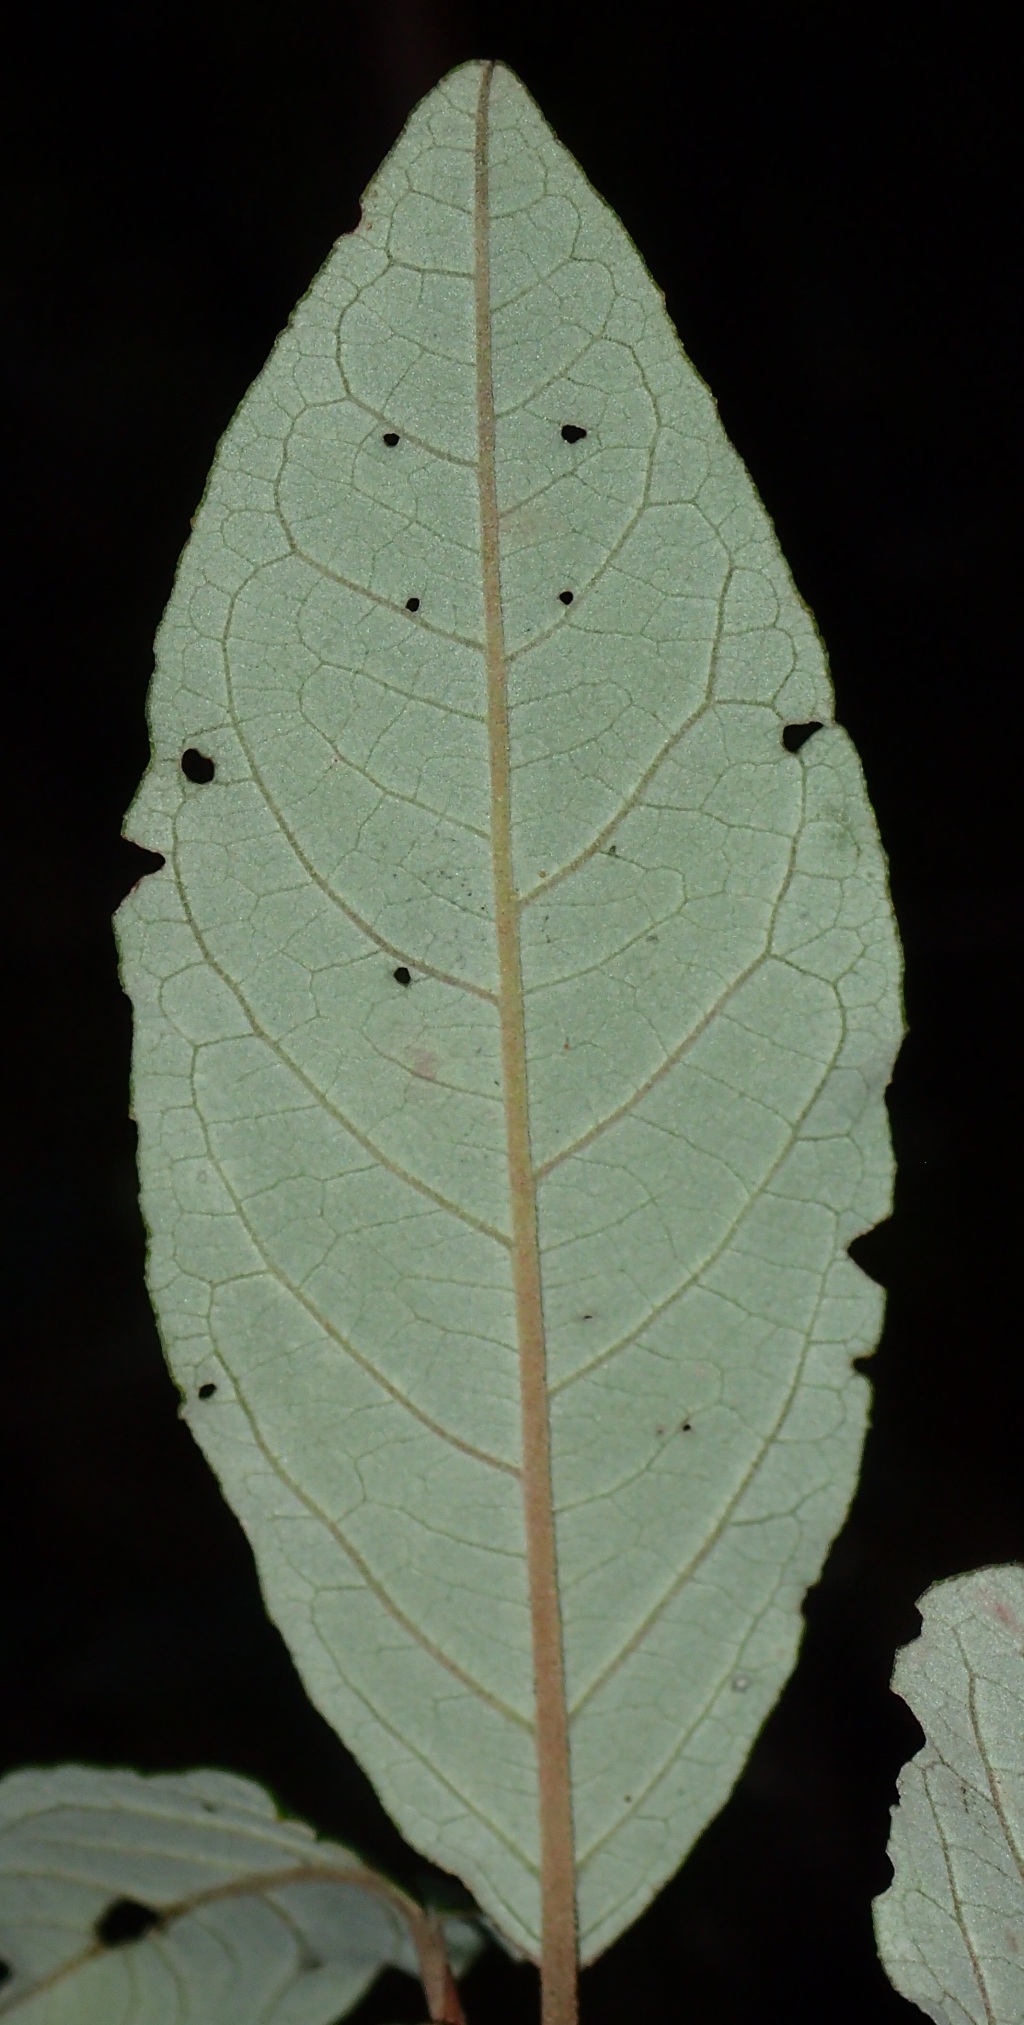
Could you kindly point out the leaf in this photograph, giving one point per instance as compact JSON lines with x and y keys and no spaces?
{"x":950,"y":1928}
{"x":513,"y":1016}
{"x":186,"y":1900}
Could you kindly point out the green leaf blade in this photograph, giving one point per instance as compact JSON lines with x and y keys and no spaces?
{"x":183,"y":1900}
{"x":950,"y":1928}
{"x":690,"y":942}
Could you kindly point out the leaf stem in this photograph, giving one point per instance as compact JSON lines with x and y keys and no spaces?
{"x":435,"y":1973}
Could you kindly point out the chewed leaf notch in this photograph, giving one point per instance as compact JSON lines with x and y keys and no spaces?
{"x":461,"y":1258}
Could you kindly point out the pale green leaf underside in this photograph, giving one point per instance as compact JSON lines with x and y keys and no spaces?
{"x":950,"y":1928}
{"x":301,"y":1951}
{"x":710,"y":991}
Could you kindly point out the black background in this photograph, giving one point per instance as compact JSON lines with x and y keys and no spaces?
{"x":821,"y":192}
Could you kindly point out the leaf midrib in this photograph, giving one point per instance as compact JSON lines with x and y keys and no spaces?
{"x":557,"y":1854}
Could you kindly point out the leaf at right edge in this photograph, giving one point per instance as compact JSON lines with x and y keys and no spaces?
{"x":950,"y":1928}
{"x":711,"y":986}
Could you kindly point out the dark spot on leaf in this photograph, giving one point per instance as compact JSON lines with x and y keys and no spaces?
{"x":588,"y":1317}
{"x":565,"y":597}
{"x":571,"y":433}
{"x":390,"y":438}
{"x":796,"y":735}
{"x":5,"y":1971}
{"x":412,"y":604}
{"x":197,"y":767}
{"x":207,"y":1391}
{"x":613,"y":850}
{"x":125,"y":1920}
{"x":686,"y":1427}
{"x":402,"y":975}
